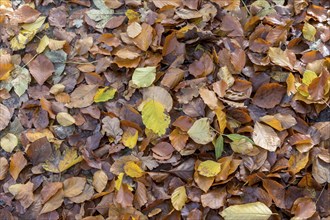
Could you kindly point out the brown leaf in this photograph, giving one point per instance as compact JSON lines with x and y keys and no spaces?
{"x":83,"y":96}
{"x":49,"y":190}
{"x":178,"y":139}
{"x":144,"y":39}
{"x":141,"y":194}
{"x":276,"y":191}
{"x":5,"y":116}
{"x":202,"y":67}
{"x":6,"y":66}
{"x":39,"y":151}
{"x":26,"y":14}
{"x":100,"y":180}
{"x":53,"y":203}
{"x":73,"y":186}
{"x":17,"y":164}
{"x":41,"y":68}
{"x":269,"y":95}
{"x":214,"y":199}
{"x":87,"y":194}
{"x":303,"y":208}
{"x":124,"y":196}
{"x":4,"y":166}
{"x":23,"y":193}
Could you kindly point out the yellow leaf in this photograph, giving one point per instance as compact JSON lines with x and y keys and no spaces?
{"x":308,"y":77}
{"x":9,"y":142}
{"x":6,"y":65}
{"x":119,"y":181}
{"x":33,"y":135}
{"x":132,"y":15}
{"x":130,"y":138}
{"x":56,"y":44}
{"x":222,"y":120}
{"x":154,"y":118}
{"x":290,"y":82}
{"x":35,"y":26}
{"x":309,"y":32}
{"x":63,"y":162}
{"x":133,"y":170}
{"x":43,"y":44}
{"x":65,"y":119}
{"x":179,"y":198}
{"x":249,"y":211}
{"x":104,"y":94}
{"x":209,"y":168}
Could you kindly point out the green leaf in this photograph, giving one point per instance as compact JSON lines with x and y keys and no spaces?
{"x":201,"y":132}
{"x":104,"y":94}
{"x":154,"y":117}
{"x":218,"y":146}
{"x":249,"y":211}
{"x":237,"y":137}
{"x":179,"y":198}
{"x":144,"y":76}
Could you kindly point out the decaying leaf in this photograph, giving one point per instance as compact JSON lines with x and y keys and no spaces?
{"x":265,"y":137}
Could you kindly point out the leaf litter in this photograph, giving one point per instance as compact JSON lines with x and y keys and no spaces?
{"x":131,"y":109}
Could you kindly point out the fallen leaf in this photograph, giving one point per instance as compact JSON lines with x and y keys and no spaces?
{"x":269,"y":95}
{"x":130,"y":137}
{"x":17,"y":164}
{"x":83,"y":96}
{"x":144,"y":76}
{"x":8,"y":142}
{"x":276,"y":191}
{"x":73,"y":186}
{"x":101,"y":15}
{"x":249,"y":211}
{"x":111,"y":126}
{"x":4,"y":166}
{"x":134,"y":29}
{"x":144,"y":39}
{"x":218,"y":146}
{"x":21,"y":80}
{"x":265,"y":137}
{"x":201,"y":131}
{"x":153,"y":111}
{"x":179,"y":198}
{"x":209,"y":168}
{"x":41,"y":68}
{"x":100,"y":180}
{"x":63,"y":162}
{"x":26,"y":14}
{"x":309,"y":32}
{"x":104,"y":94}
{"x":303,"y":208}
{"x":214,"y":199}
{"x":133,"y":170}
{"x":49,"y":189}
{"x":158,"y":94}
{"x":23,"y":193}
{"x":282,"y":58}
{"x":87,"y":194}
{"x":5,"y":116}
{"x":53,"y":203}
{"x":65,"y":119}
{"x":6,"y":66}
{"x":39,"y":150}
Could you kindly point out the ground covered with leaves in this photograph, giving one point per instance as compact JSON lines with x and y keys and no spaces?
{"x":164,"y":109}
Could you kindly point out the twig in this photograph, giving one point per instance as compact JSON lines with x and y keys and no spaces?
{"x":245,"y":6}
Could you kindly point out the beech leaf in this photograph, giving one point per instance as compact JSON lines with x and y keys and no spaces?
{"x":249,"y":211}
{"x":201,"y":131}
{"x":179,"y":198}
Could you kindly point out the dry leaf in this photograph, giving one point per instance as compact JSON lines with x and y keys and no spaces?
{"x":100,"y":180}
{"x":17,"y":164}
{"x":73,"y":186}
{"x":265,"y":137}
